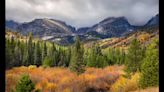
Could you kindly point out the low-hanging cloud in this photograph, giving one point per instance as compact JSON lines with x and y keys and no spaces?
{"x":80,"y":13}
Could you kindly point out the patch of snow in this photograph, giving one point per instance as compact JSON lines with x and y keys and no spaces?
{"x":99,"y":29}
{"x":58,"y":24}
{"x":57,"y":39}
{"x":130,"y":30}
{"x":47,"y":37}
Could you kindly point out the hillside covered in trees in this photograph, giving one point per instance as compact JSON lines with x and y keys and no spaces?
{"x":123,"y":64}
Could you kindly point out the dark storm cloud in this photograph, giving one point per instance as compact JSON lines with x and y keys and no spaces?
{"x":81,"y":12}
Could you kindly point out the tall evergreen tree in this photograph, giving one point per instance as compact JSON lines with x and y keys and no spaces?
{"x":92,"y":57}
{"x":96,"y":58}
{"x":25,"y":54}
{"x":21,"y":47}
{"x":118,"y":56}
{"x":44,"y":52}
{"x":37,"y":54}
{"x":17,"y":54}
{"x":52,"y":53}
{"x":63,"y":56}
{"x":134,"y":57}
{"x":77,"y":60}
{"x":86,"y":56}
{"x":110,"y":56}
{"x":30,"y":56}
{"x":123,"y":56}
{"x":68,"y":56}
{"x":150,"y":66}
{"x":8,"y":54}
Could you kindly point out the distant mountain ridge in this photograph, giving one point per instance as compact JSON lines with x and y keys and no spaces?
{"x":11,"y":24}
{"x":112,"y":27}
{"x":45,"y":27}
{"x":56,"y":30}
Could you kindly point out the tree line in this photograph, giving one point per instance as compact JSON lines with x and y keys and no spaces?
{"x":44,"y":53}
{"x":38,"y":53}
{"x":138,"y":58}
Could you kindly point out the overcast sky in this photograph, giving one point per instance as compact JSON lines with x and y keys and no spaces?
{"x":80,"y":13}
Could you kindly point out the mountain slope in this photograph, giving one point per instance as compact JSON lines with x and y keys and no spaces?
{"x":10,"y":24}
{"x":61,"y":33}
{"x":144,"y":36}
{"x":44,"y":27}
{"x":110,"y":27}
{"x":154,"y":21}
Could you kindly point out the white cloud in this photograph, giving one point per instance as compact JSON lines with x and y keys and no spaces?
{"x":81,"y":13}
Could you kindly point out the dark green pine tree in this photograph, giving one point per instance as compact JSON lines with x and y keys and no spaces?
{"x":17,"y":54}
{"x":96,"y":58}
{"x":22,"y":46}
{"x":118,"y":55}
{"x":37,"y":54}
{"x":44,"y":52}
{"x":30,"y":50}
{"x":86,"y":56}
{"x":25,"y":84}
{"x":122,"y":57}
{"x":134,"y":57}
{"x":77,"y":60}
{"x":100,"y":58}
{"x":150,"y":66}
{"x":92,"y":57}
{"x":12,"y":51}
{"x":55,"y":55}
{"x":110,"y":56}
{"x":63,"y":56}
{"x":68,"y":56}
{"x":25,"y":54}
{"x":52,"y":53}
{"x":8,"y":54}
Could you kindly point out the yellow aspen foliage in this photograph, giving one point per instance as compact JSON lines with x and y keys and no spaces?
{"x":133,"y":83}
{"x":125,"y":85}
{"x":67,"y":90}
{"x":50,"y":87}
{"x":120,"y":84}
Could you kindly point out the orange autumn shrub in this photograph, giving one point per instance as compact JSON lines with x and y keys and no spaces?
{"x":60,"y":79}
{"x":41,"y":85}
{"x":11,"y":79}
{"x":51,"y":87}
{"x":93,"y":79}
